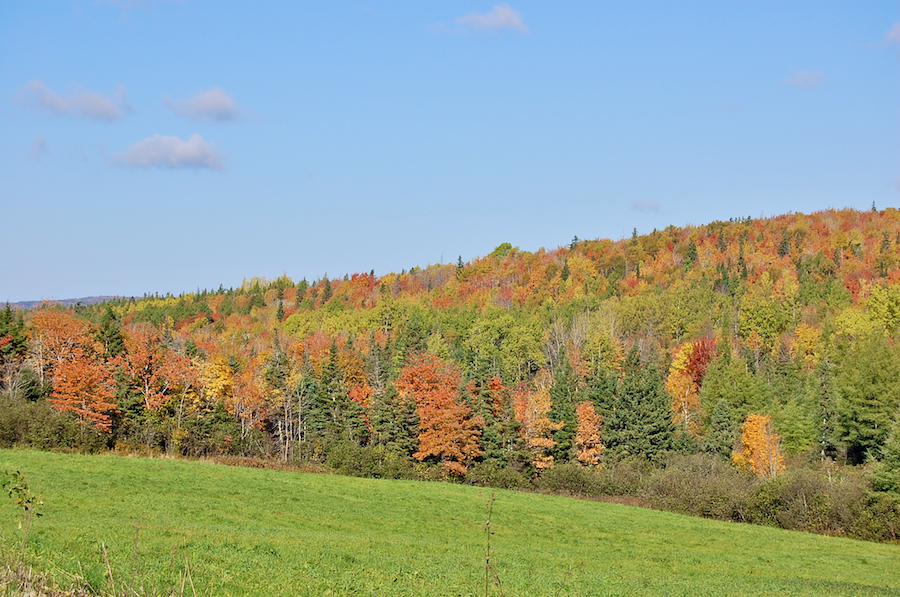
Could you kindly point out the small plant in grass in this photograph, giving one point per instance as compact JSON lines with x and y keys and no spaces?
{"x":14,"y":483}
{"x":490,"y":574}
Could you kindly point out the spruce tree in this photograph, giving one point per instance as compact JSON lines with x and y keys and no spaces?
{"x":109,"y":333}
{"x":395,"y":422}
{"x":638,"y":419}
{"x":563,"y":400}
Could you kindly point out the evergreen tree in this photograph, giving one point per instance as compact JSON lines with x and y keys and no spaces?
{"x":869,"y":395}
{"x":302,"y":287}
{"x":723,"y":431}
{"x":109,"y":333}
{"x":314,"y":408}
{"x":279,"y":314}
{"x":490,"y":400}
{"x":826,"y":410}
{"x":728,"y":378}
{"x":886,"y":476}
{"x":563,"y":399}
{"x":395,"y":422}
{"x":638,"y":418}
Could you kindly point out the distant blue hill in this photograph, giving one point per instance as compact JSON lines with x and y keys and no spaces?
{"x":88,"y":300}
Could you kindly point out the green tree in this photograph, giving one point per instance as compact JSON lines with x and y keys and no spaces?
{"x":563,"y":400}
{"x":637,"y":417}
{"x":109,"y":333}
{"x":395,"y":421}
{"x":869,"y":394}
{"x":723,"y":431}
{"x":886,"y":476}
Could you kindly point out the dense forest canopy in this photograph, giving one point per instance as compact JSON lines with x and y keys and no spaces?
{"x":756,"y":340}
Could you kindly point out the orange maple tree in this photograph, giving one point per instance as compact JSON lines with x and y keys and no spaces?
{"x":144,"y":362}
{"x":85,"y":387}
{"x":689,"y":365}
{"x":447,"y":429}
{"x":82,"y":381}
{"x":588,"y":443}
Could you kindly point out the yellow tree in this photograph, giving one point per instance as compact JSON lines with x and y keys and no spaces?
{"x":760,"y":449}
{"x":530,"y":410}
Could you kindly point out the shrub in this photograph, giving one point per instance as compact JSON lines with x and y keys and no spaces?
{"x":570,"y":479}
{"x":488,"y":474}
{"x":700,"y":485}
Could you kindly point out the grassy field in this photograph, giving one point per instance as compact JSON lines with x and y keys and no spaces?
{"x":257,"y":532}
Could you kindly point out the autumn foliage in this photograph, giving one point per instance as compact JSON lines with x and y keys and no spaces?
{"x":588,"y":442}
{"x":82,"y":381}
{"x":447,"y":429}
{"x":760,"y":448}
{"x":531,"y":409}
{"x":689,"y":365}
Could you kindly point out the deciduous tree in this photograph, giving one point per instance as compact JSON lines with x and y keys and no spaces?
{"x":760,"y":449}
{"x":588,"y":443}
{"x":447,"y":429}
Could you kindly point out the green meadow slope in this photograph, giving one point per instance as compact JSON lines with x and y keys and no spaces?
{"x":257,"y":532}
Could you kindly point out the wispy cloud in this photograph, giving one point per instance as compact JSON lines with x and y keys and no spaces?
{"x":159,"y":151}
{"x":213,"y":104}
{"x":39,"y":149}
{"x":501,"y":16}
{"x":893,"y":34}
{"x":805,"y":78}
{"x":645,"y":206}
{"x":80,"y":102}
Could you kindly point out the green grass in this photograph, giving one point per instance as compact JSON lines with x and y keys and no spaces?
{"x":258,"y":532}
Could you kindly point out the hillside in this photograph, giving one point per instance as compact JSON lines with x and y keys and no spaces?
{"x":768,"y":344}
{"x":72,"y":302}
{"x":252,"y":532}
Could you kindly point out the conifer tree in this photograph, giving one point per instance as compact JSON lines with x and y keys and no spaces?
{"x":563,"y":399}
{"x":637,"y":417}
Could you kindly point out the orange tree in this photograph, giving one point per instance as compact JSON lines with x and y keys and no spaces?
{"x":447,"y":429}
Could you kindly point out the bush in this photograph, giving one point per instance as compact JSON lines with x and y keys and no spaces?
{"x":570,"y":479}
{"x":24,"y":423}
{"x":351,"y":459}
{"x":624,"y":477}
{"x":879,"y":520}
{"x":700,"y":485}
{"x":488,"y":474}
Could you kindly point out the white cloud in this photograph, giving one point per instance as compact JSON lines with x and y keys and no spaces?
{"x":893,"y":36}
{"x":213,"y":104}
{"x":80,"y":102}
{"x":805,"y":78}
{"x":500,"y":17}
{"x":645,"y":206}
{"x":39,"y":149}
{"x":170,"y":152}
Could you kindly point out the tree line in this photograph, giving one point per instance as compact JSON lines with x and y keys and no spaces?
{"x":755,"y":343}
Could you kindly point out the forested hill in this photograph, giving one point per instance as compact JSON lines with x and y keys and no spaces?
{"x":72,"y":302}
{"x":752,"y":339}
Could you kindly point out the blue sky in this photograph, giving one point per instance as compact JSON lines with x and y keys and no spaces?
{"x":168,"y":146}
